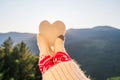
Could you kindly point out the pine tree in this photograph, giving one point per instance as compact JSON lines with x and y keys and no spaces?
{"x":7,"y":45}
{"x":6,"y":49}
{"x":23,"y":63}
{"x":1,"y":63}
{"x":26,"y":65}
{"x":36,"y":70}
{"x":17,"y":62}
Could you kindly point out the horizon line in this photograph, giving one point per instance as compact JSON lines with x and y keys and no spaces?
{"x":107,"y":26}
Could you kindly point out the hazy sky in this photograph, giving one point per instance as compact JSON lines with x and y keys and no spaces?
{"x":26,"y":15}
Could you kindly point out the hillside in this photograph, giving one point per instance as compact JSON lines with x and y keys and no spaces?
{"x":28,"y":38}
{"x":97,"y":50}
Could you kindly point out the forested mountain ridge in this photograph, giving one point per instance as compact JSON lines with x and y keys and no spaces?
{"x":97,"y":50}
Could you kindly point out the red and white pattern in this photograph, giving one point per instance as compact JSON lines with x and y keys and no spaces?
{"x":50,"y":61}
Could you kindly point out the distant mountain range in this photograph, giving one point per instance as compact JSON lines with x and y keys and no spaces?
{"x":97,"y":50}
{"x":99,"y":32}
{"x":28,"y":38}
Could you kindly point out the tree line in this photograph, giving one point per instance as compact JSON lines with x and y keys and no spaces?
{"x":17,"y":62}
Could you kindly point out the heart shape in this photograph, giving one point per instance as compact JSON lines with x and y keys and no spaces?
{"x":52,"y":31}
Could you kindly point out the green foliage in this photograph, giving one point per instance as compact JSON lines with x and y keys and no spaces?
{"x":7,"y":45}
{"x":114,"y":78}
{"x":17,"y":62}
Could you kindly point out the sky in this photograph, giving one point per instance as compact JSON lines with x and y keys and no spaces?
{"x":26,"y":15}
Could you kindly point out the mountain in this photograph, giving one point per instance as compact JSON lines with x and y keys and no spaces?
{"x":28,"y":38}
{"x":105,"y":28}
{"x":99,"y":32}
{"x":18,"y":37}
{"x":97,"y":50}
